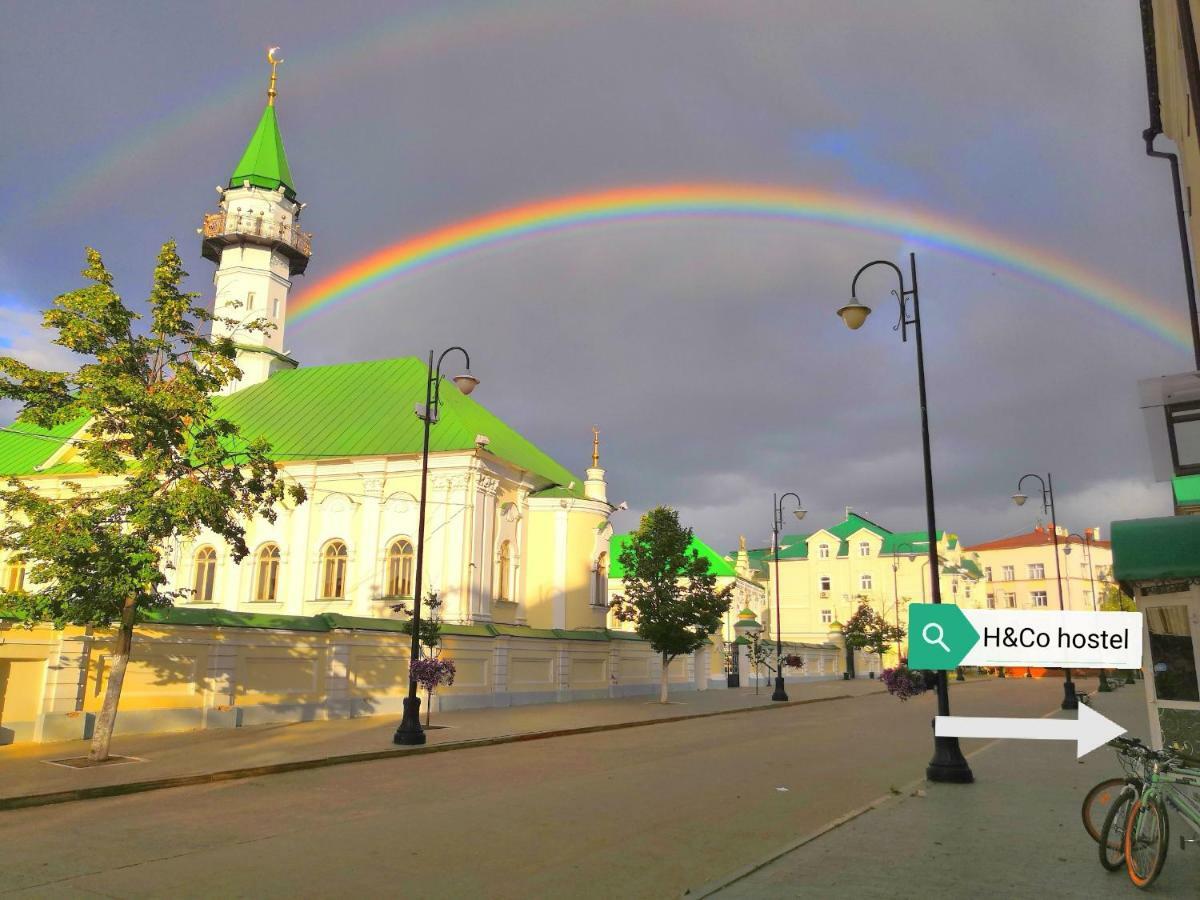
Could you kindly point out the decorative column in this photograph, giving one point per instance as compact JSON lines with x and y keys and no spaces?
{"x":367,"y":577}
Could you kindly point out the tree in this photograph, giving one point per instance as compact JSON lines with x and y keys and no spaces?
{"x":758,"y":653}
{"x":669,"y":591}
{"x":430,"y":671}
{"x":162,"y":463}
{"x":1116,"y":600}
{"x":868,"y":630}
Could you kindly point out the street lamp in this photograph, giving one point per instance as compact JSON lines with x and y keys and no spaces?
{"x":1070,"y":699}
{"x":912,"y":556}
{"x":777,"y":526}
{"x":410,"y":731}
{"x":948,"y":762}
{"x":1104,"y":687}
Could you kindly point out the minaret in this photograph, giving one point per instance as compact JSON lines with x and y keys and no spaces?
{"x":256,"y":242}
{"x":595,"y":488}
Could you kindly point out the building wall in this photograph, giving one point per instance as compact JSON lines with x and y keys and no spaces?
{"x":1018,"y":592}
{"x":807,"y":611}
{"x":183,"y":677}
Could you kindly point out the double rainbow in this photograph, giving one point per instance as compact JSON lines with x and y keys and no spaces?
{"x":740,"y":201}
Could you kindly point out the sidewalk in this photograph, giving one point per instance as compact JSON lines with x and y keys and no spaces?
{"x":1016,"y":832}
{"x":193,"y":757}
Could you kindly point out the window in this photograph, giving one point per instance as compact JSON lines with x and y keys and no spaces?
{"x":1183,"y":430}
{"x":504,"y":576}
{"x":1012,"y":601}
{"x":250,"y":300}
{"x":1008,"y":573}
{"x":823,"y":551}
{"x":991,"y":601}
{"x":1037,"y":570}
{"x":824,"y":582}
{"x":826,"y":616}
{"x":333,"y":571}
{"x":206,"y":570}
{"x":987,"y":572}
{"x":275,"y":308}
{"x":864,"y":582}
{"x":967,"y":591}
{"x":399,"y":580}
{"x":601,"y":592}
{"x":864,"y":548}
{"x":1173,"y":653}
{"x":1039,"y":599}
{"x":14,"y":577}
{"x":266,"y":589}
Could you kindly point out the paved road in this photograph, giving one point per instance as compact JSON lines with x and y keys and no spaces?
{"x":647,"y":812}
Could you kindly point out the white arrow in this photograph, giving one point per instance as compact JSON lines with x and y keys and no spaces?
{"x":1089,"y":731}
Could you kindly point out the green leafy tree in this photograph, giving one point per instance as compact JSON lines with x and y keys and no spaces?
{"x":1116,"y":600}
{"x":163,"y":463}
{"x":670,"y":593}
{"x":869,"y":631}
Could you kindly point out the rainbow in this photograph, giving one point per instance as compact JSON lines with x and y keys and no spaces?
{"x":739,"y":201}
{"x":373,"y":52}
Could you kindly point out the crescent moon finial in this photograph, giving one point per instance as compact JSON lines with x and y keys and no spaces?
{"x":271,"y":92}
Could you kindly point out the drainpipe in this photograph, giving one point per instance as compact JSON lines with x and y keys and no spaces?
{"x":1192,"y":65}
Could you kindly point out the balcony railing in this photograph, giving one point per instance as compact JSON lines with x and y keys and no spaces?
{"x":218,"y":224}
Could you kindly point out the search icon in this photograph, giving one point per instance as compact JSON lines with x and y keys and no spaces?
{"x":934,"y":634}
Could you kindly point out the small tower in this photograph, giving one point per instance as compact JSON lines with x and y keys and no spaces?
{"x":595,"y":487}
{"x":256,"y":242}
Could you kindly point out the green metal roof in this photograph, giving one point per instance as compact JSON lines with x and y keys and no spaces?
{"x":1153,"y":549}
{"x":24,"y":447}
{"x":908,"y":542}
{"x":1187,"y":490}
{"x":366,"y":409}
{"x":792,"y":546}
{"x":853,"y":523}
{"x":264,"y":162}
{"x":716,"y":563}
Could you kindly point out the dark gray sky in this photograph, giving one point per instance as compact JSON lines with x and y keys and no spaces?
{"x":707,"y":350}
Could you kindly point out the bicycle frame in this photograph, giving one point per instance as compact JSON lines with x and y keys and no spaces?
{"x":1169,"y":786}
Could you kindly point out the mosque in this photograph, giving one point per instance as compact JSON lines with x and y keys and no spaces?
{"x":516,"y":545}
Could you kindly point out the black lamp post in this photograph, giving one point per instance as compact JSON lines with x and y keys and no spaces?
{"x":776,"y":527}
{"x":410,"y":731}
{"x":948,"y":762}
{"x":1104,"y":687}
{"x":912,"y":556}
{"x":1070,"y":699}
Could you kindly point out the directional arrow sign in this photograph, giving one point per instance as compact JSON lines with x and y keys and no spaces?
{"x":1089,"y":731}
{"x":942,"y":636}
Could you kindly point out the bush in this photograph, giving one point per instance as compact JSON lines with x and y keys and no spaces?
{"x":904,"y":682}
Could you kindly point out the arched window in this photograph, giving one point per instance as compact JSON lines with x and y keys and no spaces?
{"x":601,"y":580}
{"x":823,"y":551}
{"x":864,"y":548}
{"x":266,"y":588}
{"x":206,"y":571}
{"x":333,"y":571}
{"x":14,"y":577}
{"x":400,"y":569}
{"x":504,"y":575}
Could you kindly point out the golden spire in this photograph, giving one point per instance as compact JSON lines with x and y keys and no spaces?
{"x":741,"y":543}
{"x":595,"y":447}
{"x":271,"y":92}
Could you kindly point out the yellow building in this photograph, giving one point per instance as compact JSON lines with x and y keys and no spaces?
{"x":824,"y":575}
{"x":1019,"y":571}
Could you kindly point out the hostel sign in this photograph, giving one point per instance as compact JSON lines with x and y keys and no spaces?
{"x":944,"y":636}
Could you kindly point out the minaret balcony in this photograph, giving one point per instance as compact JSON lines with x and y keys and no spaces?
{"x":221,"y":230}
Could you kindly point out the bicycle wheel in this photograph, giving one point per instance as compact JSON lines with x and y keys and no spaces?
{"x":1097,"y":804}
{"x":1112,"y":832}
{"x":1146,"y":836}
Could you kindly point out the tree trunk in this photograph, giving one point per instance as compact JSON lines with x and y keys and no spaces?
{"x":106,"y":719}
{"x":662,"y":691}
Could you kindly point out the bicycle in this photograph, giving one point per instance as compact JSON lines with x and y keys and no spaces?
{"x":1100,"y":798}
{"x":1135,"y":758}
{"x":1147,"y":830}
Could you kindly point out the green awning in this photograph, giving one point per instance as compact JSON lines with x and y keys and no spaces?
{"x":1155,"y":549}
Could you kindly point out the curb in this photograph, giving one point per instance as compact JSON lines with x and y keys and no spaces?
{"x":155,"y":784}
